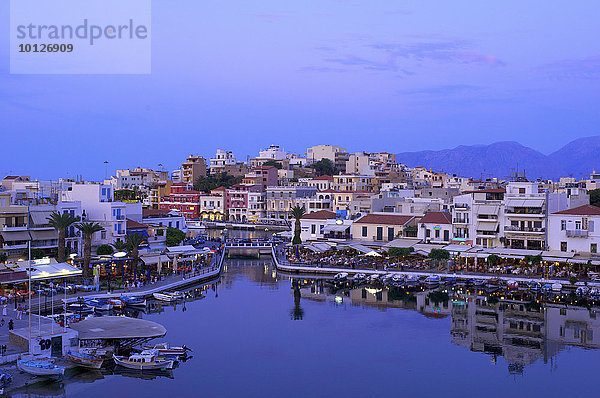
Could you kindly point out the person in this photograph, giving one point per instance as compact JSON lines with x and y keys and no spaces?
{"x":1,"y":322}
{"x":11,"y":325}
{"x":20,"y":312}
{"x":4,"y":310}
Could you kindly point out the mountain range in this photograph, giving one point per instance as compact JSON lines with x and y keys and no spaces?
{"x":578,"y":158}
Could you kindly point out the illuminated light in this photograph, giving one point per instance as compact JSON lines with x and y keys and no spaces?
{"x":338,"y":299}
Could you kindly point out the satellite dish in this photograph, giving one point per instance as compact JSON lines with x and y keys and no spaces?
{"x":119,"y":254}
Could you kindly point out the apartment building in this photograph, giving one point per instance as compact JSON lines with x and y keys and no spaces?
{"x":222,"y":159}
{"x":183,"y":199}
{"x":322,"y":183}
{"x":477,"y":217}
{"x":281,"y":200}
{"x":351,"y":182}
{"x":525,"y":216}
{"x":14,"y":223}
{"x":263,"y":176}
{"x":212,"y":206}
{"x":193,"y":168}
{"x":575,"y":230}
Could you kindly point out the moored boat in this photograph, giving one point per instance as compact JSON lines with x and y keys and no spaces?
{"x":512,"y":284}
{"x":133,"y":301}
{"x":433,"y":280}
{"x":556,"y":287}
{"x":99,"y":304}
{"x":85,"y":360}
{"x":341,"y":277}
{"x":5,"y":379}
{"x":166,"y":296}
{"x":80,"y":308}
{"x":40,"y":368}
{"x":148,"y":360}
{"x":116,"y":303}
{"x":165,"y":349}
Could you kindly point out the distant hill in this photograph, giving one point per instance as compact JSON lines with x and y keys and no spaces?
{"x":499,"y":159}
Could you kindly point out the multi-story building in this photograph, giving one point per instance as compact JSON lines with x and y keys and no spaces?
{"x":183,"y":199}
{"x":236,"y":201}
{"x":476,"y":217}
{"x":322,"y":183}
{"x":257,"y":207}
{"x":221,"y":160}
{"x":525,"y":216}
{"x":164,"y":218}
{"x":351,"y":182}
{"x":193,"y":168}
{"x":264,"y":176}
{"x":212,"y":206}
{"x":575,"y":230}
{"x":14,"y":223}
{"x":281,"y":200}
{"x":316,"y":153}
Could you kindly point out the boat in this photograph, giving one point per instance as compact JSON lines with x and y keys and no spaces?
{"x":492,"y":284}
{"x":133,"y":301}
{"x":80,"y":308}
{"x":450,"y":280}
{"x":534,"y":286}
{"x":5,"y":379}
{"x":165,"y":349}
{"x":582,"y":291}
{"x":374,"y":278}
{"x":547,"y":288}
{"x":40,"y":368}
{"x":166,"y":296}
{"x":432,"y":280}
{"x":556,"y":287}
{"x":85,"y":360}
{"x":341,"y":277}
{"x":413,"y":280}
{"x":99,"y":304}
{"x":360,"y":278}
{"x":147,"y":360}
{"x":479,"y":282}
{"x":116,"y":303}
{"x":512,"y":284}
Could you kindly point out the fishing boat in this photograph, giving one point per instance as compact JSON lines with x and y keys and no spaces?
{"x":133,"y":301}
{"x":5,"y":379}
{"x":40,"y":368}
{"x":80,"y":308}
{"x":85,"y":360}
{"x":116,"y":303}
{"x":147,"y":360}
{"x":165,"y":349}
{"x":99,"y":304}
{"x":341,"y":277}
{"x":433,"y":280}
{"x":512,"y":284}
{"x":556,"y":287}
{"x":166,"y":296}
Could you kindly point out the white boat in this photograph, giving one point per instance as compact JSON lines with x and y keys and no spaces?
{"x":433,"y":280}
{"x":168,"y":296}
{"x":340,"y":277}
{"x":99,"y":304}
{"x":146,"y":360}
{"x":556,"y":287}
{"x":165,"y":349}
{"x":40,"y":368}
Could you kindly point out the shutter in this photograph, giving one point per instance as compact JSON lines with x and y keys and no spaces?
{"x":591,"y":226}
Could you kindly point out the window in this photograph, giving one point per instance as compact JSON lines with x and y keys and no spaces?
{"x":437,"y":233}
{"x":364,"y":231}
{"x":427,"y":233}
{"x":313,"y":229}
{"x":594,"y":248}
{"x":578,"y":224}
{"x":563,"y":246}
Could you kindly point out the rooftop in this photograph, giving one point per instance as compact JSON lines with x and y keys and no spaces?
{"x":437,"y":217}
{"x":585,"y":210}
{"x":320,"y":215}
{"x":387,"y":219}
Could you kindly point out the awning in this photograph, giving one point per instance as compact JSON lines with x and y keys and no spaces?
{"x":578,"y":260}
{"x":488,"y":227}
{"x":153,"y":259}
{"x":44,"y":235}
{"x":475,"y":255}
{"x":360,"y":248}
{"x":402,"y":242}
{"x":525,"y":202}
{"x":458,"y":248}
{"x":15,"y":236}
{"x":336,"y":228}
{"x":555,"y":259}
{"x":40,"y":217}
{"x":562,"y":255}
{"x":487,"y":209}
{"x":181,"y":249}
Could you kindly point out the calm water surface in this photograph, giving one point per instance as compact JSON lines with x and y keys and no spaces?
{"x":247,"y":343}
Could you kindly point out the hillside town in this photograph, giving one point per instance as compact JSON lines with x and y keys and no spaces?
{"x":366,"y":198}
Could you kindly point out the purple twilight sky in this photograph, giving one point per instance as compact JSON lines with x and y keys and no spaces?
{"x":366,"y":75}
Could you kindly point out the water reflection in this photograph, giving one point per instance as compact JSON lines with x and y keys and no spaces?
{"x":516,"y":325}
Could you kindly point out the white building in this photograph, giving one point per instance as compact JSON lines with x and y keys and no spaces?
{"x":222,"y":158}
{"x":316,"y":153}
{"x":435,"y":227}
{"x":323,"y":224}
{"x":575,"y":230}
{"x":273,"y":152}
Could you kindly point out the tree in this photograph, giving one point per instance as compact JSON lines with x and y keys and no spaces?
{"x":494,"y":259}
{"x":174,"y":236}
{"x":133,"y":242}
{"x":88,"y":229}
{"x":400,"y":252}
{"x":324,"y":167}
{"x":534,"y":260}
{"x":60,"y":222}
{"x":3,"y":258}
{"x":104,"y":250}
{"x":37,"y":253}
{"x":297,"y":212}
{"x":273,"y":163}
{"x":208,"y":183}
{"x":595,"y":197}
{"x":119,"y":245}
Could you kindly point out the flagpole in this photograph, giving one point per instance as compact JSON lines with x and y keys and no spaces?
{"x":29,"y":291}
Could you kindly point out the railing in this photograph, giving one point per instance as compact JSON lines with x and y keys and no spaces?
{"x":521,"y":212}
{"x":577,"y":233}
{"x":460,"y":221}
{"x":524,"y":229}
{"x":120,"y":217}
{"x":19,"y":227}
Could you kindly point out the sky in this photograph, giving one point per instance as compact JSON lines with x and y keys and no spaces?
{"x":371,"y":75}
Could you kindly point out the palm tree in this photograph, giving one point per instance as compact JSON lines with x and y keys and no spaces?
{"x":61,"y":222}
{"x":133,"y":243}
{"x":88,"y":229}
{"x":297,"y":212}
{"x":119,"y":245}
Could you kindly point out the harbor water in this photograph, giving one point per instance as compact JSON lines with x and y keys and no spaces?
{"x":252,"y":336}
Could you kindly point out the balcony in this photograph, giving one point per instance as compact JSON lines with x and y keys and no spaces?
{"x":510,"y":228}
{"x":119,"y":217}
{"x":577,"y":233}
{"x":14,"y":245}
{"x":461,"y":206}
{"x":525,"y":212}
{"x":17,"y":227}
{"x":460,"y":221}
